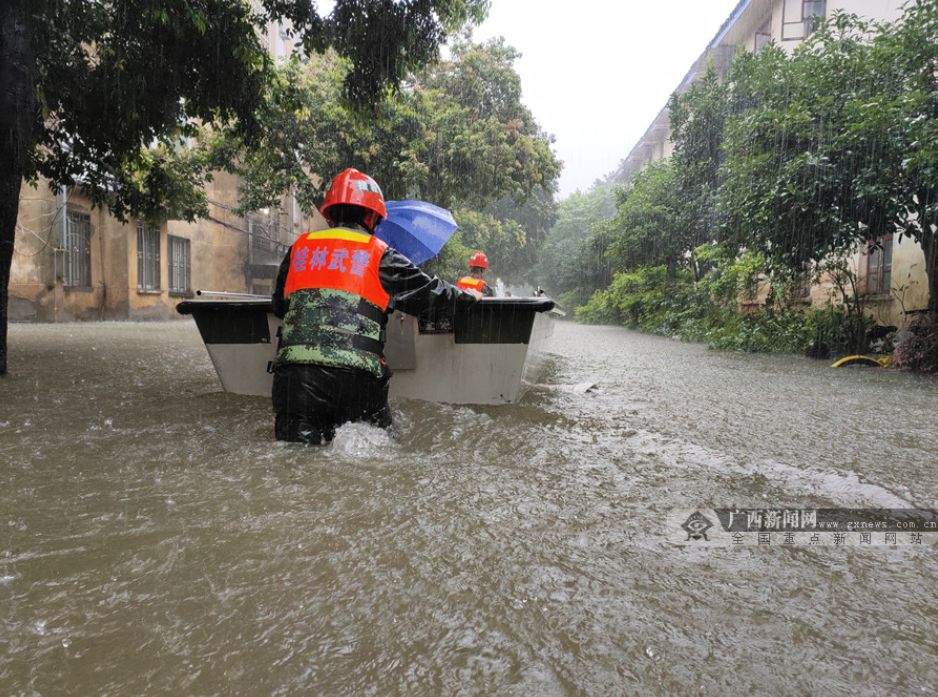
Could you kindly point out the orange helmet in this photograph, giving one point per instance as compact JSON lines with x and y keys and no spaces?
{"x":354,"y":188}
{"x":478,"y":261}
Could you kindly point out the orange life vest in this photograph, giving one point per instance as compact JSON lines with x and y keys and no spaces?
{"x":338,"y":259}
{"x":470,"y":283}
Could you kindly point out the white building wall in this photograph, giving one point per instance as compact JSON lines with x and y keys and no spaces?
{"x":885,"y":10}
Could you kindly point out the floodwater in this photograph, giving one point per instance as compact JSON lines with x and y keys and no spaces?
{"x":153,"y":538}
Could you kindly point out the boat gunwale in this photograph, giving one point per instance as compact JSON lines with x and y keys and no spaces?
{"x":187,"y":307}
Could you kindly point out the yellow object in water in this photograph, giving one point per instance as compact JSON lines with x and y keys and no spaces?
{"x":883,"y":361}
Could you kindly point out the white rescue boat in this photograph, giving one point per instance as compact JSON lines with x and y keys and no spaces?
{"x":482,"y":356}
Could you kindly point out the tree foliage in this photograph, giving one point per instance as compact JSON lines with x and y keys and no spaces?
{"x":649,"y":228}
{"x":789,"y":165}
{"x":456,"y":135}
{"x":113,"y":78}
{"x":308,"y":131}
{"x":484,"y":143}
{"x":106,"y":93}
{"x":790,"y":168}
{"x":834,"y":146}
{"x":566,"y":262}
{"x":535,"y":216}
{"x":698,"y":119}
{"x":434,"y":139}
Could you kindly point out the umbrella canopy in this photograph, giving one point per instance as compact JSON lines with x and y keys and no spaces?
{"x":416,"y":229}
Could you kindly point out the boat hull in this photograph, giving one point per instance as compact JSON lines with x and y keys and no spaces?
{"x":477,"y":357}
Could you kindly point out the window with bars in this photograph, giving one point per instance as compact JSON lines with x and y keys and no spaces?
{"x":76,"y":250}
{"x":179,"y":264}
{"x":801,"y":17}
{"x":879,"y":266}
{"x":148,"y":257}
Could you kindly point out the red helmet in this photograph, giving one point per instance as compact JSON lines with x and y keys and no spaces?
{"x":355,"y":188}
{"x":478,"y":260}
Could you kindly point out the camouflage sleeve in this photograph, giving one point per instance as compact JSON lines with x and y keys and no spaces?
{"x":412,"y":291}
{"x":279,"y":303}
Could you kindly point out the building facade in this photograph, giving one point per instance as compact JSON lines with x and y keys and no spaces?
{"x":72,"y":261}
{"x":892,"y":275}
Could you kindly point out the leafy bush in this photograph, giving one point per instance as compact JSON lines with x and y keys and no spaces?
{"x":573,"y":300}
{"x":598,"y":310}
{"x":727,"y":274}
{"x":647,"y":299}
{"x":835,"y":332}
{"x":762,"y":332}
{"x":918,"y":350}
{"x":819,"y":333}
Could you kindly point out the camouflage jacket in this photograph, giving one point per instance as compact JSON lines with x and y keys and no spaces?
{"x":338,"y":329}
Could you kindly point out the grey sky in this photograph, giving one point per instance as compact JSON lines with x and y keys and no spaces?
{"x":596,"y":72}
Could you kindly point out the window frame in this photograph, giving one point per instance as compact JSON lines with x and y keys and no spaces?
{"x":148,"y":282}
{"x":879,"y":277}
{"x":764,"y":31}
{"x":174,"y":267}
{"x":803,"y":19}
{"x":75,"y":248}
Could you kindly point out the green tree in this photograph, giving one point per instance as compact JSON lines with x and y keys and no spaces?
{"x":89,"y":87}
{"x":698,"y":119}
{"x":307,"y":130}
{"x":499,"y":239}
{"x":457,"y":135}
{"x":834,"y":146}
{"x":483,"y":143}
{"x":566,"y":265}
{"x":897,"y":120}
{"x":788,"y":177}
{"x":436,"y":139}
{"x":535,"y":216}
{"x":510,"y":233}
{"x":649,"y":228}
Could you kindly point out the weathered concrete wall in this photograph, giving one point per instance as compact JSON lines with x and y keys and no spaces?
{"x":908,"y":286}
{"x":219,"y":256}
{"x":30,"y":281}
{"x":36,"y":289}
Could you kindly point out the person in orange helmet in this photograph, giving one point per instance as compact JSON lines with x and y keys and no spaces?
{"x":475,"y":282}
{"x":334,"y":291}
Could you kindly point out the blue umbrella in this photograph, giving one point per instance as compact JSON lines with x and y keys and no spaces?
{"x":416,"y":229}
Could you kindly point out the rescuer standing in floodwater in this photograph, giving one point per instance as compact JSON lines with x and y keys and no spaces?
{"x":475,"y":282}
{"x":334,"y":292}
